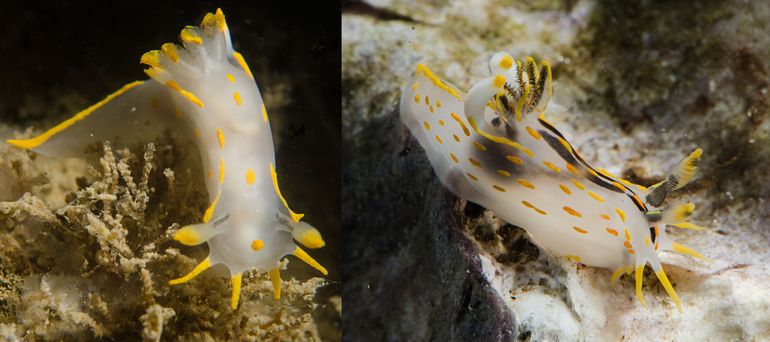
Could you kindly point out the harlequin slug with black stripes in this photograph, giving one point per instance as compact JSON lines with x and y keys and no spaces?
{"x":493,"y":146}
{"x":204,"y":91}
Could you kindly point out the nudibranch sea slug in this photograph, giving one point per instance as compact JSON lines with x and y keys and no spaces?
{"x":493,"y":146}
{"x":204,"y":88}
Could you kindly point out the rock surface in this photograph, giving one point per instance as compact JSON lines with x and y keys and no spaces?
{"x":637,"y":87}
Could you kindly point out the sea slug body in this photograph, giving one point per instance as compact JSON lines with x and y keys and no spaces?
{"x":203,"y":89}
{"x":493,"y":146}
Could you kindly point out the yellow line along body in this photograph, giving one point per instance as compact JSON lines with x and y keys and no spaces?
{"x":204,"y":90}
{"x":511,"y":160}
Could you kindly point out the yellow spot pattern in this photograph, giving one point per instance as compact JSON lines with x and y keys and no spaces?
{"x":221,"y":138}
{"x":186,"y":94}
{"x":526,"y":184}
{"x":531,"y":206}
{"x":533,"y":133}
{"x":454,"y":158}
{"x":242,"y":62}
{"x":577,"y":184}
{"x":221,"y":171}
{"x":249,"y":176}
{"x":580,"y":230}
{"x":621,"y":213}
{"x":264,"y":113}
{"x":257,"y":245}
{"x":237,"y":98}
{"x":515,"y":160}
{"x":550,"y":165}
{"x":595,"y":196}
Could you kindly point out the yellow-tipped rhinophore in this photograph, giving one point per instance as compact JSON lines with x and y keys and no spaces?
{"x":275,"y":278}
{"x":205,"y":264}
{"x":669,"y":289}
{"x":236,"y":280}
{"x":687,"y":168}
{"x":302,"y":255}
{"x":639,"y":295}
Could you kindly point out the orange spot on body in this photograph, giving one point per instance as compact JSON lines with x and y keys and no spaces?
{"x":580,"y":230}
{"x":550,"y":165}
{"x":515,"y":160}
{"x":572,"y":212}
{"x":454,"y":158}
{"x":221,"y":138}
{"x":249,"y":176}
{"x":533,"y":133}
{"x":525,"y":184}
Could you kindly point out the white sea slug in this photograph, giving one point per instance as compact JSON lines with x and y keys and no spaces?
{"x":493,"y":146}
{"x":204,"y":89}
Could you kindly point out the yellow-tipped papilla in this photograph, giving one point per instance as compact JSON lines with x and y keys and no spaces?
{"x":688,"y":225}
{"x":205,"y":264}
{"x":638,"y":274}
{"x":236,"y":280}
{"x":682,"y":249}
{"x":307,"y":235}
{"x":656,"y":266}
{"x":302,"y":255}
{"x":275,"y":278}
